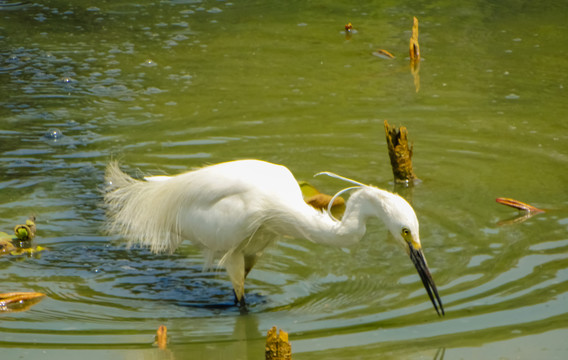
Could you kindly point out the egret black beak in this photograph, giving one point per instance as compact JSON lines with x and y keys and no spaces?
{"x":417,"y":257}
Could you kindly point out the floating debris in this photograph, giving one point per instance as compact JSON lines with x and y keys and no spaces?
{"x":349,"y":31}
{"x":26,"y":232}
{"x":6,"y":246}
{"x":19,"y":301}
{"x":518,"y":205}
{"x":21,"y":242}
{"x":528,"y":211}
{"x":383,"y":54}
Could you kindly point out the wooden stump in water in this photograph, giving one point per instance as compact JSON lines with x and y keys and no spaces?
{"x":400,"y":154}
{"x":162,"y":337}
{"x":277,"y":345}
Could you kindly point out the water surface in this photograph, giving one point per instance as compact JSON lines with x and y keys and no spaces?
{"x":165,"y":86}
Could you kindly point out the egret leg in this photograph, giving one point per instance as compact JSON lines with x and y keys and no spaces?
{"x":235,"y":266}
{"x":250,"y":261}
{"x":242,"y":304}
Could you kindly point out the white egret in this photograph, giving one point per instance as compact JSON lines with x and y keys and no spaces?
{"x":234,"y":210}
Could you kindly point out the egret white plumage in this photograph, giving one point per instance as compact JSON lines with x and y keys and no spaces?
{"x":234,"y":210}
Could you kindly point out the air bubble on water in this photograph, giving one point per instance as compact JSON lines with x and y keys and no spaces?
{"x":53,"y":133}
{"x":153,"y":90}
{"x":149,"y":63}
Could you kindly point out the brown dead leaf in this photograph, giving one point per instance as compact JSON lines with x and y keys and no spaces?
{"x":321,"y":201}
{"x":19,"y":301}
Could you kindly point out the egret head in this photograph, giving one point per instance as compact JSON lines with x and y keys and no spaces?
{"x":401,"y":221}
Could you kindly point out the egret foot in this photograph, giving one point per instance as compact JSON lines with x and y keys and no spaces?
{"x":242,"y":304}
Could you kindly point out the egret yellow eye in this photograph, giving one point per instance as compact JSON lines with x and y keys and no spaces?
{"x":405,"y":232}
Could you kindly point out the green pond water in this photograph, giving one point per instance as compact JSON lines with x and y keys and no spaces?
{"x":166,"y":86}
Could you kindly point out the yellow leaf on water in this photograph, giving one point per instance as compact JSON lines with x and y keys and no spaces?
{"x":27,"y":251}
{"x":6,"y":246}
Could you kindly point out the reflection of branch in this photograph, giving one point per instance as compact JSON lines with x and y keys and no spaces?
{"x":441,"y":352}
{"x":517,"y":219}
{"x":415,"y":71}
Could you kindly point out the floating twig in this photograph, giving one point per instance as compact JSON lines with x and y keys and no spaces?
{"x":415,"y":55}
{"x":382,"y":53}
{"x":19,"y":301}
{"x":528,"y":211}
{"x":518,"y":205}
{"x":414,"y":46}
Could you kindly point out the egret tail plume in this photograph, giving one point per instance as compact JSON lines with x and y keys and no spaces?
{"x":144,"y":212}
{"x":334,"y":175}
{"x":335,"y":196}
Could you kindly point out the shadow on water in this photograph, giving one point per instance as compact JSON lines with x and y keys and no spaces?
{"x":115,"y":275}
